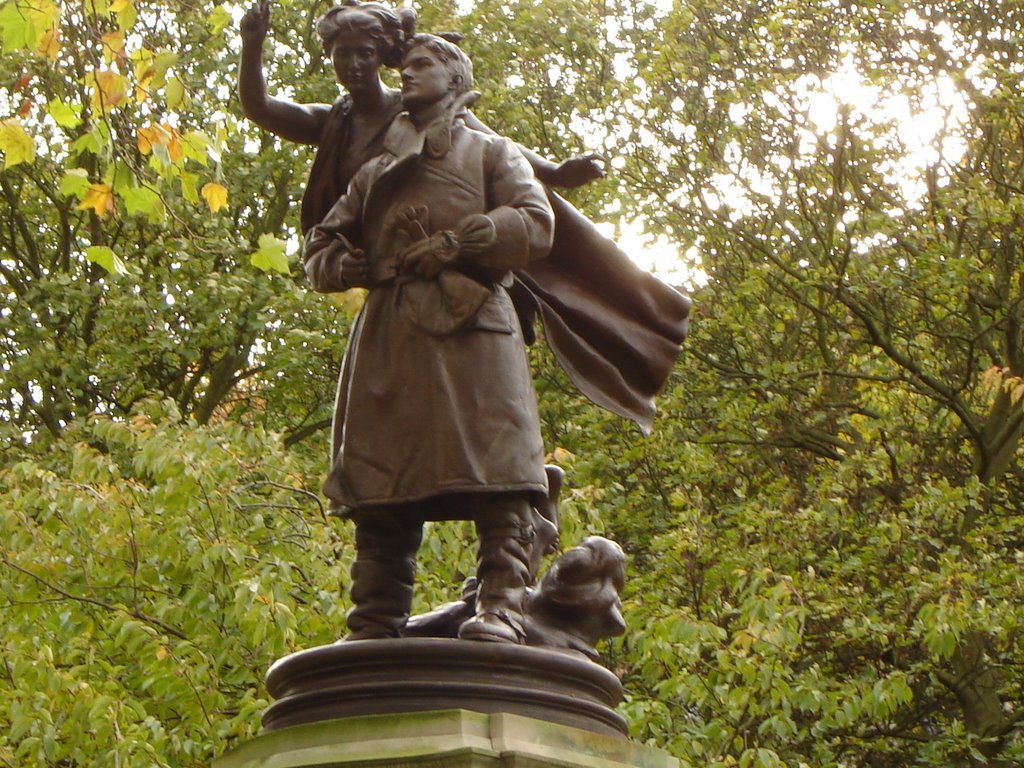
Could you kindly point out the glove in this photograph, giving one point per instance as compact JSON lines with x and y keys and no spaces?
{"x":430,"y":255}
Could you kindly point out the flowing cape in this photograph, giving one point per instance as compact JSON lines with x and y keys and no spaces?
{"x":615,"y":329}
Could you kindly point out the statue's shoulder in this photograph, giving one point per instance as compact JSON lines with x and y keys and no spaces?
{"x":494,"y":147}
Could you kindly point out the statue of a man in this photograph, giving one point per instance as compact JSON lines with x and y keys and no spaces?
{"x":436,"y":409}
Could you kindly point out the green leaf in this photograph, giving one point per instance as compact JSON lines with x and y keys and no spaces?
{"x":188,"y":183}
{"x":143,"y":201}
{"x":65,"y":115}
{"x":217,"y":19}
{"x":270,"y":256}
{"x":74,"y":182}
{"x":106,"y":258}
{"x":195,"y":145}
{"x":175,"y":93}
{"x":161,"y":63}
{"x":125,"y":13}
{"x":16,"y":28}
{"x":94,"y":142}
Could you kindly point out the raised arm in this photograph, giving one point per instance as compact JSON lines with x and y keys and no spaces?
{"x":574,"y":172}
{"x":295,"y":122}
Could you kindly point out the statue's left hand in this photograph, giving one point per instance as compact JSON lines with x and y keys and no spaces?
{"x":577,"y":171}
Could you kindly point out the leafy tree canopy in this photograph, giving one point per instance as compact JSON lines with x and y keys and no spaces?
{"x":824,"y":528}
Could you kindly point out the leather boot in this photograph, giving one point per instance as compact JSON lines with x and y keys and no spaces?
{"x":382,"y":575}
{"x":506,"y":534}
{"x":381,"y":594}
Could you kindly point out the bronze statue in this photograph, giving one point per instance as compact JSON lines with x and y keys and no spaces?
{"x":614,"y":329}
{"x":436,"y":406}
{"x":435,"y":417}
{"x":575,"y":605}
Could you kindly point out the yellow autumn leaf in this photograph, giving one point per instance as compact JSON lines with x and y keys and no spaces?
{"x":16,"y":144}
{"x":49,"y":44}
{"x":143,"y":88}
{"x":109,"y":90}
{"x":120,"y":5}
{"x":147,"y":136}
{"x":216,"y":195}
{"x":45,"y":14}
{"x":562,"y":456}
{"x":98,"y":197}
{"x":160,"y":134}
{"x":174,"y":150}
{"x":113,"y":45}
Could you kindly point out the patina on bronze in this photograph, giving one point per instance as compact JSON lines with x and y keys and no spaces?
{"x":447,"y":226}
{"x":358,"y":38}
{"x":575,"y":605}
{"x":415,"y":675}
{"x":436,"y":405}
{"x":615,"y":329}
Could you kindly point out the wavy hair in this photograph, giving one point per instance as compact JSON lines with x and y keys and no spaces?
{"x":452,"y":55}
{"x":384,"y":26}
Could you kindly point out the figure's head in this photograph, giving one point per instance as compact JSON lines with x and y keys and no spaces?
{"x":359,"y":37}
{"x":433,"y":68}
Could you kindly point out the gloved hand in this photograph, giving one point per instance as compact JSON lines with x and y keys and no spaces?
{"x":430,"y":255}
{"x":427,"y":256}
{"x":355,"y":269}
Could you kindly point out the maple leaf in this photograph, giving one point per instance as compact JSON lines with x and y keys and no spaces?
{"x":99,"y":198}
{"x":216,"y":196}
{"x":109,"y":89}
{"x":15,"y":142}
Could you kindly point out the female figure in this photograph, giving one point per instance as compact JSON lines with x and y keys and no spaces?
{"x":359,"y":39}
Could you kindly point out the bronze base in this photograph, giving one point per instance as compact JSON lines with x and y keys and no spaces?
{"x":375,"y":677}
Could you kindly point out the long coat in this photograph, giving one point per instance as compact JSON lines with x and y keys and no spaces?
{"x":435,"y":394}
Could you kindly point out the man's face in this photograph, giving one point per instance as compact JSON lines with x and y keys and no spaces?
{"x":426,"y":79}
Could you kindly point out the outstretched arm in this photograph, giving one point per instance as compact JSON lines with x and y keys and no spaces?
{"x":574,"y":172}
{"x":296,"y":122}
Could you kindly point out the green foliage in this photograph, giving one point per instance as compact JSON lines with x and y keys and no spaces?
{"x":152,"y":570}
{"x":133,"y":207}
{"x":824,"y":529}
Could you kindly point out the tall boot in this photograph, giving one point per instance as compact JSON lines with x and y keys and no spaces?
{"x":382,"y":575}
{"x":381,"y":594}
{"x":505,"y":528}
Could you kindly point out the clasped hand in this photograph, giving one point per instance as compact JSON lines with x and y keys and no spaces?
{"x":428,"y":256}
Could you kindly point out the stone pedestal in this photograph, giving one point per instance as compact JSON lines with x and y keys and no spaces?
{"x":440,"y":739}
{"x":376,"y":677}
{"x":437,"y":703}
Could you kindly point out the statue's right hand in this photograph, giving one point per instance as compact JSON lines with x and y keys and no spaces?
{"x":256,"y":22}
{"x":355,"y":269}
